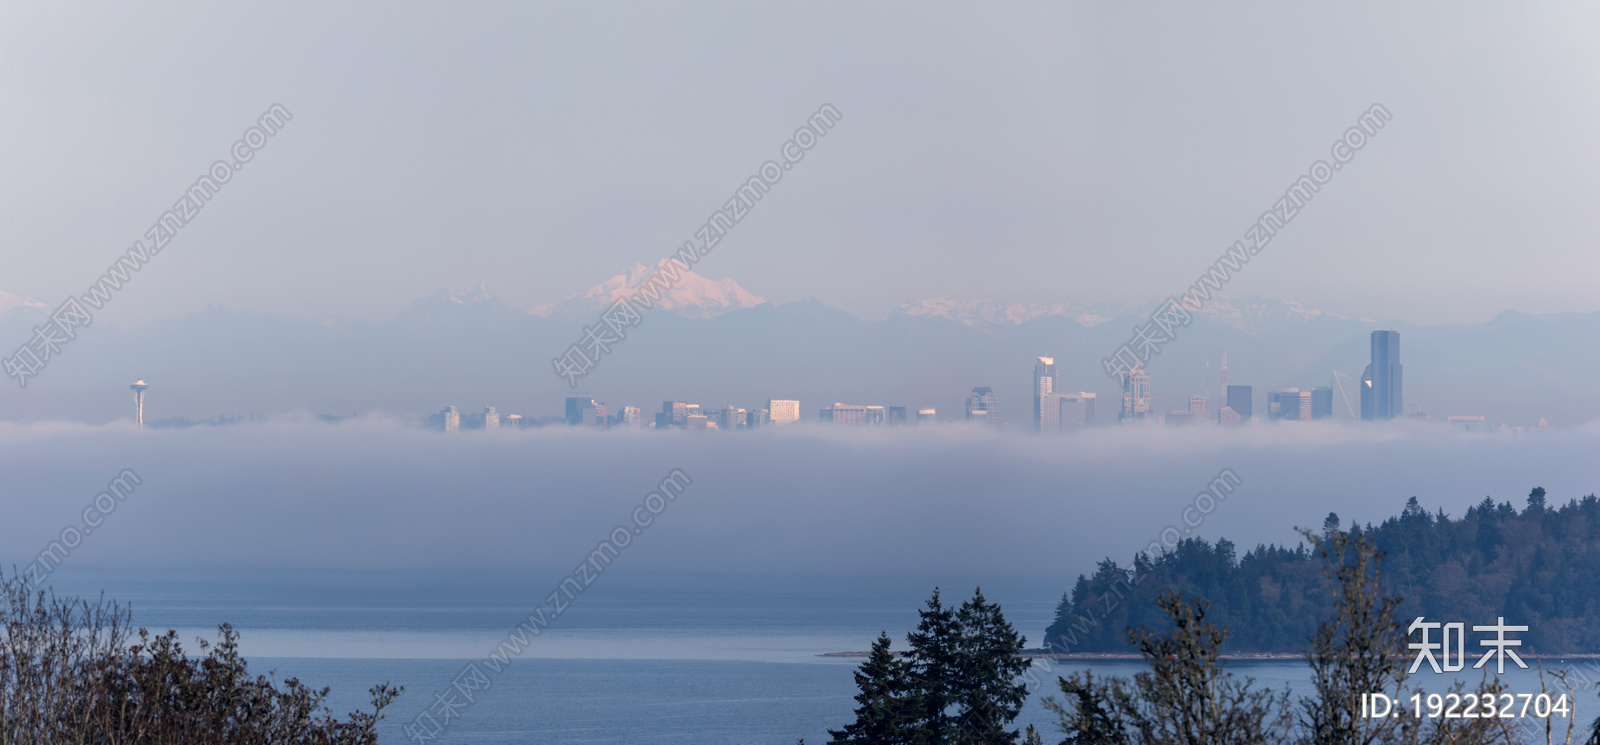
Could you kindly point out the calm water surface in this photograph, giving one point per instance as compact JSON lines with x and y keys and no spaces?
{"x":634,"y":659}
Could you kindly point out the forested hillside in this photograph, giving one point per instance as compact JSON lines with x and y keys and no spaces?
{"x":1539,"y":567}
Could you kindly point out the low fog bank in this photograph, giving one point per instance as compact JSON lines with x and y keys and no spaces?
{"x":946,"y":501}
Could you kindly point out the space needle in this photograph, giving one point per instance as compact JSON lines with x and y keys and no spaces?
{"x":138,"y":388}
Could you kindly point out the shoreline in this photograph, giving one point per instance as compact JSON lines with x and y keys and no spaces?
{"x":1234,"y":656}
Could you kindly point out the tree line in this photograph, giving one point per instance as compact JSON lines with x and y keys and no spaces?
{"x":75,"y":671}
{"x":1539,"y":565}
{"x":962,"y":680}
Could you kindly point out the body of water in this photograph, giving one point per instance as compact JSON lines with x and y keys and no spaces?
{"x":634,"y":659}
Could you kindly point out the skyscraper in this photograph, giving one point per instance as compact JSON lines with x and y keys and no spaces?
{"x":575,"y":407}
{"x":1385,"y":384}
{"x":1044,"y":383}
{"x":1322,"y":403}
{"x":1077,"y":410}
{"x":852,"y":415}
{"x":1048,"y":412}
{"x":1366,"y":395}
{"x":1283,"y":403}
{"x":927,"y":416}
{"x":732,"y":418}
{"x":1239,"y":398}
{"x":138,"y":388}
{"x":983,"y":406}
{"x":447,"y":420}
{"x":783,"y":411}
{"x":1135,"y":396}
{"x":489,"y":419}
{"x":673,"y":414}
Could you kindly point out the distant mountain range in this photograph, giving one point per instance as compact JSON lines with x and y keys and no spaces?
{"x":693,"y":296}
{"x":1246,"y":314}
{"x":715,"y":342}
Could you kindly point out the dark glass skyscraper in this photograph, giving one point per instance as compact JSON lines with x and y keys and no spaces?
{"x":1381,"y":396}
{"x":1366,"y":393}
{"x":1321,"y":403}
{"x":1239,"y":400}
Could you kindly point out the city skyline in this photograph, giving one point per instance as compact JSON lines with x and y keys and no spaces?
{"x":1054,"y":410}
{"x":1265,"y":335}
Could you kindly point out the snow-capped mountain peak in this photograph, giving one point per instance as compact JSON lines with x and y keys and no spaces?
{"x":10,"y":302}
{"x":692,"y":295}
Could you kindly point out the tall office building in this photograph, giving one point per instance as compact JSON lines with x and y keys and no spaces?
{"x":783,"y":411}
{"x":1135,"y":396}
{"x":927,"y":416}
{"x":896,"y":415}
{"x":1381,"y":396}
{"x":852,"y":415}
{"x":1239,"y":398}
{"x":489,"y":419}
{"x":1076,"y":411}
{"x":629,"y":415}
{"x":447,"y":420}
{"x":1047,"y":412}
{"x":575,"y":407}
{"x":983,"y":406}
{"x":1066,"y":412}
{"x":731,"y":418}
{"x":673,"y":414}
{"x":1366,"y":394}
{"x":1322,"y":403}
{"x":1044,"y":384}
{"x":1283,"y":403}
{"x":757,"y":418}
{"x":1298,"y":408}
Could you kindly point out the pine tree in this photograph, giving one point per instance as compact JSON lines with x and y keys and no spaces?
{"x":936,"y":669}
{"x":889,"y":711}
{"x":988,"y":694}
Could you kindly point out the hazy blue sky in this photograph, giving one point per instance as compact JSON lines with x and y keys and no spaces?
{"x":1036,"y":153}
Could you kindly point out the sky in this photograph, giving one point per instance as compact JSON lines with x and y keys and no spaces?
{"x":1037,"y":152}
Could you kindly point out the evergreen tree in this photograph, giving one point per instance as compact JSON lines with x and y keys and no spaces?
{"x":1540,"y":565}
{"x":936,"y":668}
{"x":889,"y":710}
{"x":988,"y":694}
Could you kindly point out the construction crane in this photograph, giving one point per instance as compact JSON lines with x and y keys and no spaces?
{"x":1338,"y":382}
